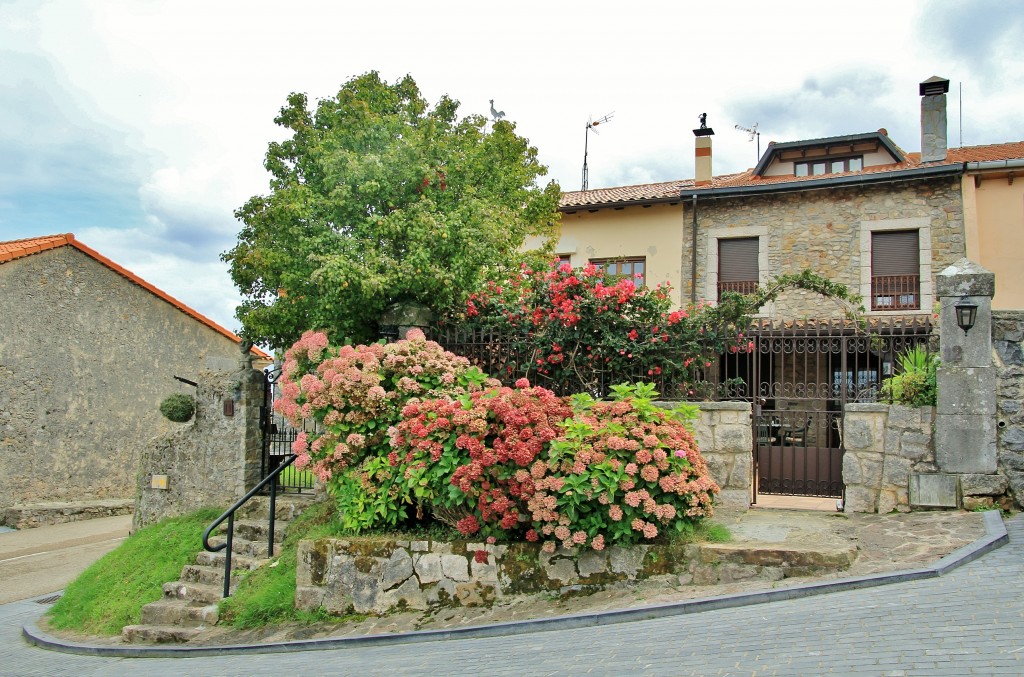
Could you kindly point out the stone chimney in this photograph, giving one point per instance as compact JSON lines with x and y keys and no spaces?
{"x":933,"y":119}
{"x":702,"y":153}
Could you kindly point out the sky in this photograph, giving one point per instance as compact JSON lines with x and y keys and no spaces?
{"x":141,"y":125}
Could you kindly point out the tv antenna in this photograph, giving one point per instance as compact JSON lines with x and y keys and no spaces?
{"x":752,"y":131}
{"x":591,"y":124}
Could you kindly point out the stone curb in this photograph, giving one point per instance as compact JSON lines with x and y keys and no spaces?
{"x":995,"y":537}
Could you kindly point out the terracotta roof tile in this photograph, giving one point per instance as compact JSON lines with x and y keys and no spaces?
{"x":16,"y":249}
{"x":667,"y":190}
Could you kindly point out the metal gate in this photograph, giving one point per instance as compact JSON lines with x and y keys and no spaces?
{"x":798,"y":377}
{"x":278,"y":437}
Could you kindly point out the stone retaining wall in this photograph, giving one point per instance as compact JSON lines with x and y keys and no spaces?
{"x":369,"y":575}
{"x":43,"y":514}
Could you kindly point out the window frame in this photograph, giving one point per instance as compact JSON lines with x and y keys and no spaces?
{"x":748,"y":284}
{"x":925,"y":289}
{"x":601,"y":263}
{"x":829,"y":162}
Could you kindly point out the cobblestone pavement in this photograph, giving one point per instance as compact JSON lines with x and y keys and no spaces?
{"x":967,"y":622}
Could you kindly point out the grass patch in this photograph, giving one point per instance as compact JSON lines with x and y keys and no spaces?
{"x":704,"y":531}
{"x":267,"y":595}
{"x":110,"y":594}
{"x":291,"y":477}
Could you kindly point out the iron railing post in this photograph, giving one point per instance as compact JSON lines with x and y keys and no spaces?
{"x":227,"y":555}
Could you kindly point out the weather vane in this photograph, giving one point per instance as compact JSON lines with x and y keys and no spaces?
{"x":496,"y":114}
{"x":752,"y":131}
{"x":586,"y":138}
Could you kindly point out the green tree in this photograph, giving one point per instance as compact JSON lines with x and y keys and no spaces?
{"x":376,"y":198}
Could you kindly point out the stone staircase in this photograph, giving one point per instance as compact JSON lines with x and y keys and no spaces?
{"x":190,"y":604}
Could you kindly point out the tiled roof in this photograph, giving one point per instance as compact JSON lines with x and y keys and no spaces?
{"x":16,"y":249}
{"x":669,"y":190}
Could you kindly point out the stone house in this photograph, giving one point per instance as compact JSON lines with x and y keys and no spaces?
{"x":855,"y":208}
{"x":87,"y":353}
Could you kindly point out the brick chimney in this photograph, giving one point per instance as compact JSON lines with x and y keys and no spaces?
{"x":702,"y":153}
{"x":933,"y":119}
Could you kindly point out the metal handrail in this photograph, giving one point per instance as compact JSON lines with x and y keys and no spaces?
{"x":229,"y":515}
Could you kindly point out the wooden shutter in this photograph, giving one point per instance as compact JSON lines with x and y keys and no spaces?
{"x":737,"y":260}
{"x":895,"y":253}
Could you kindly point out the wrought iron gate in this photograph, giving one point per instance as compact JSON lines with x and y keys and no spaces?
{"x":798,"y":377}
{"x":278,"y":438}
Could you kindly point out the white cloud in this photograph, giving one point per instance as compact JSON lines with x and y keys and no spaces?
{"x":161,"y":111}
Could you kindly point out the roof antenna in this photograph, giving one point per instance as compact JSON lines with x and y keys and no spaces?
{"x":752,"y":131}
{"x":590,"y":128}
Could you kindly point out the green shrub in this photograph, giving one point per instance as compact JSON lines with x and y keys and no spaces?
{"x":178,"y":407}
{"x":916,"y":383}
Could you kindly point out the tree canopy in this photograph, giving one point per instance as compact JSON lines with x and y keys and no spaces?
{"x":375,"y":198}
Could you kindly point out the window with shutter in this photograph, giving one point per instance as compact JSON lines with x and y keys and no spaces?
{"x":895,"y":270}
{"x":737,"y":265}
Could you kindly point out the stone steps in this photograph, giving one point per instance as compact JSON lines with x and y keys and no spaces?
{"x":191,"y":603}
{"x":159,"y":634}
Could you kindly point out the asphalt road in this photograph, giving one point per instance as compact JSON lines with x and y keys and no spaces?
{"x":37,"y":561}
{"x":967,"y":622}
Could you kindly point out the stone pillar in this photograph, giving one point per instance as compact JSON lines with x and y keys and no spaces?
{"x":965,"y":418}
{"x":402,"y":316}
{"x":933,"y":119}
{"x":725,"y":436}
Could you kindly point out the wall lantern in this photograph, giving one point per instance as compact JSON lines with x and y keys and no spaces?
{"x":966,"y":314}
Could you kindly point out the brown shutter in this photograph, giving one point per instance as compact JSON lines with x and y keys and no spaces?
{"x":737,"y":259}
{"x":895,"y":253}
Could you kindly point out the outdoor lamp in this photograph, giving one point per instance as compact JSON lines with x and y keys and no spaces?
{"x":966,"y":313}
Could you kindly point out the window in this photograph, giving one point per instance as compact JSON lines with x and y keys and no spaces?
{"x":829,"y":166}
{"x":895,"y":270}
{"x":634,"y":268}
{"x":737,"y":265}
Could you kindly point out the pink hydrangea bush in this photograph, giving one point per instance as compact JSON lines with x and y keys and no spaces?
{"x":474,"y":454}
{"x":354,"y":393}
{"x":523,"y":465}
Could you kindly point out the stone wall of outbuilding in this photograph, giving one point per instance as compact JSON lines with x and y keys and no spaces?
{"x":1008,"y":345}
{"x":86,"y":357}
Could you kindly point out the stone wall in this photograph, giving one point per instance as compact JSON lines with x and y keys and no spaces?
{"x":884,"y":445}
{"x":86,"y":356}
{"x":824,"y":230}
{"x":376,"y":575}
{"x":725,"y":439}
{"x":210,"y":461}
{"x":1008,"y":344}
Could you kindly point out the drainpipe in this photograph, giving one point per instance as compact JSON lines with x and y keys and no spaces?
{"x":693,"y":254}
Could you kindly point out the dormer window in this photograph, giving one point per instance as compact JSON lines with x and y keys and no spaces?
{"x":820,"y":166}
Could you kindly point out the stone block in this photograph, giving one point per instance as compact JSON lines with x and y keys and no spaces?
{"x":972,"y":484}
{"x":455,"y":567}
{"x":397,"y":568}
{"x":733,"y":438}
{"x":408,"y":594}
{"x":561,"y":569}
{"x":966,"y":390}
{"x":1009,"y":352}
{"x":895,"y":472}
{"x":1012,"y":439}
{"x":916,"y":446}
{"x":965,"y":444}
{"x":592,"y":562}
{"x":886,"y":502}
{"x":933,"y":491}
{"x":428,"y":568}
{"x":851,"y":469}
{"x":741,"y":476}
{"x":863,"y":433}
{"x":978,"y":503}
{"x":860,"y":499}
{"x":486,"y":572}
{"x":904,"y":417}
{"x":734,"y":498}
{"x":627,"y":560}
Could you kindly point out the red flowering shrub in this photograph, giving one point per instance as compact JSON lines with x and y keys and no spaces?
{"x":575,"y":329}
